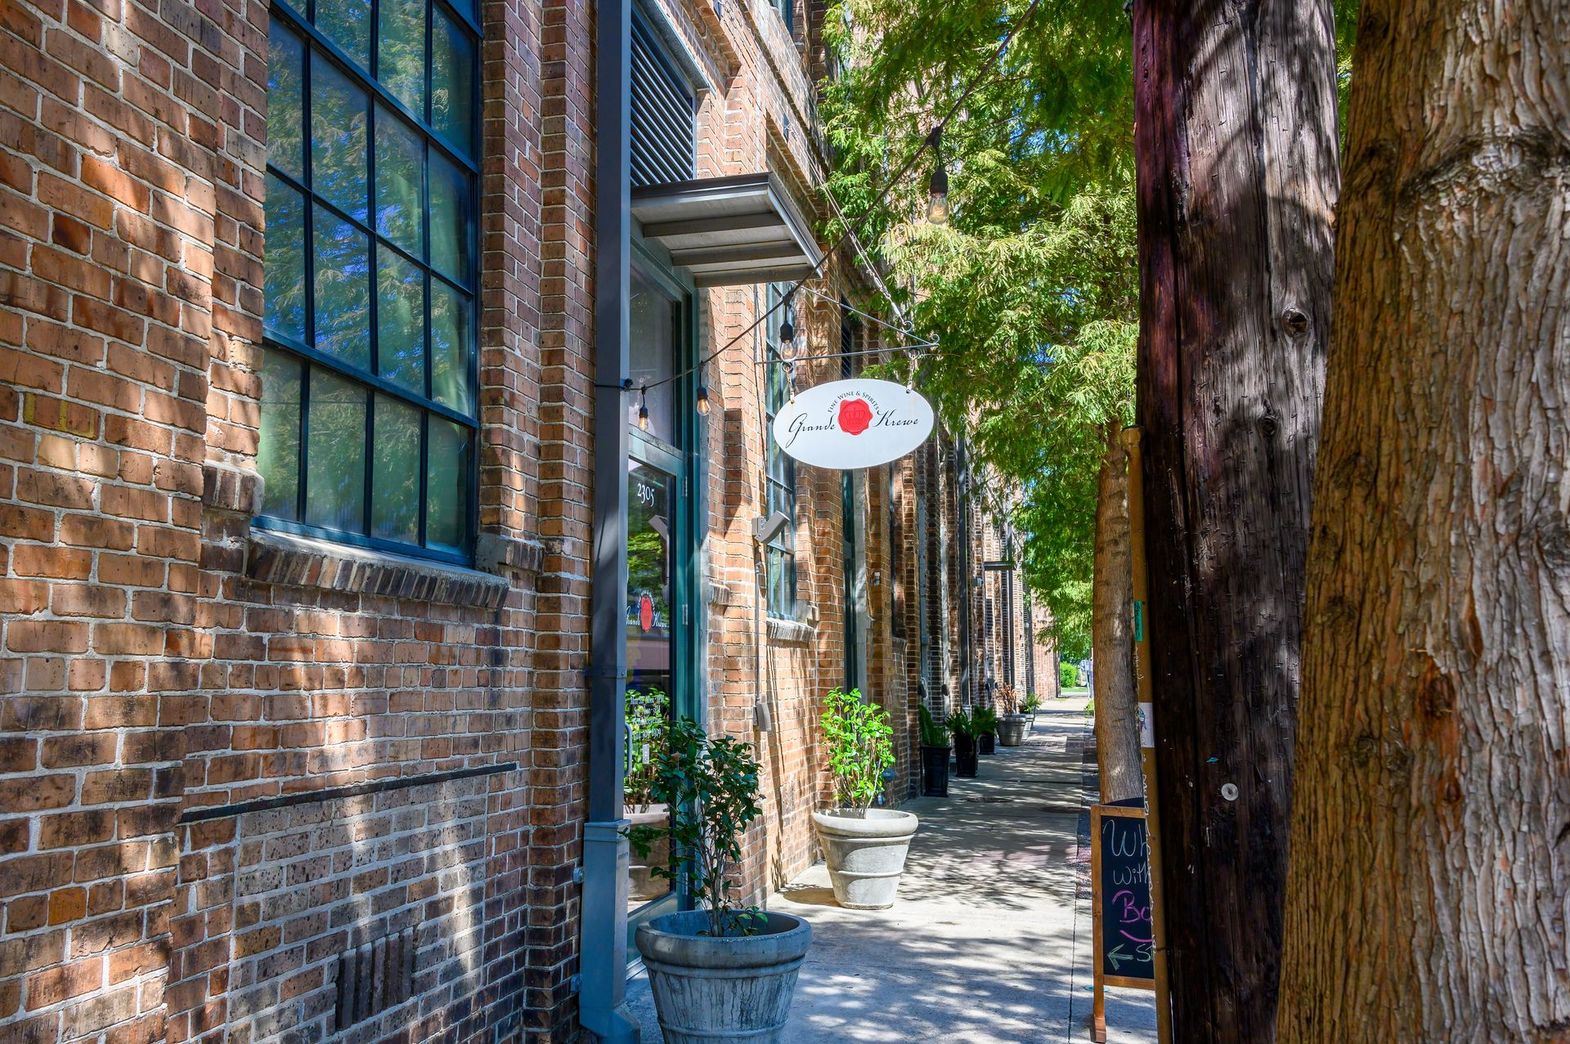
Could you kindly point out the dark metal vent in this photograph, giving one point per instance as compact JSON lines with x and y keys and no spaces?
{"x":375,"y":976}
{"x":664,"y":116}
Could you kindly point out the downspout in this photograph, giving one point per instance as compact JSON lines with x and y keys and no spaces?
{"x":603,"y":917}
{"x":967,"y":582}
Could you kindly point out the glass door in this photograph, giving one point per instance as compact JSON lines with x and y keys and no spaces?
{"x":661,"y":650}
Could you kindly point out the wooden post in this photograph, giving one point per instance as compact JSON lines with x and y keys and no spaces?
{"x":1147,"y":732}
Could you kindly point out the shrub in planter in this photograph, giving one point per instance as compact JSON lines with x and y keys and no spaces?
{"x":934,"y":756}
{"x":1011,"y":723}
{"x":963,"y":727}
{"x":723,"y":971}
{"x":864,"y":847}
{"x":986,"y":720}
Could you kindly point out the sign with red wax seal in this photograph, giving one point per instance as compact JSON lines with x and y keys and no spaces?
{"x":846,"y":425}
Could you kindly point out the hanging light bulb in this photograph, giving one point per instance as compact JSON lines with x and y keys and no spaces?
{"x":938,"y":187}
{"x":703,"y":401}
{"x":787,"y":330}
{"x":643,"y":409}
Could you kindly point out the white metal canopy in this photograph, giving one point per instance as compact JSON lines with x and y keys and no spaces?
{"x":726,"y":231}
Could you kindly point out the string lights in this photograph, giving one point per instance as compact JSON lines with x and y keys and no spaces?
{"x":643,"y":409}
{"x":938,"y":187}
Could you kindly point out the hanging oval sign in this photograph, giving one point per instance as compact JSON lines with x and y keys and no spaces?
{"x":853,"y":424}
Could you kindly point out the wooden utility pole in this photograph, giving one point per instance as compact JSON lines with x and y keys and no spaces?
{"x":1431,"y":834}
{"x":1235,"y":147}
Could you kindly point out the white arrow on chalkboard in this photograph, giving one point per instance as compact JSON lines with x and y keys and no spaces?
{"x":1117,"y":957}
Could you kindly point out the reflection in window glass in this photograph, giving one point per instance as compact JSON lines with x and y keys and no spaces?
{"x":369,"y":275}
{"x":651,"y":352}
{"x":780,"y":472}
{"x":339,"y":115}
{"x":395,"y":474}
{"x":335,"y":482}
{"x":285,"y":100}
{"x":278,"y":454}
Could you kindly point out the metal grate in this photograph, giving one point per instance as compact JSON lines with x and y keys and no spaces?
{"x":375,"y":976}
{"x":664,"y":116}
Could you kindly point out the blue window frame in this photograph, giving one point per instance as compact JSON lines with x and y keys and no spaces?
{"x":787,"y":10}
{"x":780,"y":472}
{"x":369,"y":415}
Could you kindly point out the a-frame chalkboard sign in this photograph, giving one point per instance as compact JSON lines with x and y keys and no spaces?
{"x":1125,"y":951}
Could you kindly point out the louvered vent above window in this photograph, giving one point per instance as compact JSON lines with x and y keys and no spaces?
{"x":664,"y":116}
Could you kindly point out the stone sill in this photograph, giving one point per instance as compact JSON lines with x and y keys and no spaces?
{"x":794,"y":632}
{"x":297,"y":561}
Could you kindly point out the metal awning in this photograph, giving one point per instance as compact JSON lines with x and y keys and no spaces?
{"x":725,"y":231}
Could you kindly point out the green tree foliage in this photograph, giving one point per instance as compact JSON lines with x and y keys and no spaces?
{"x":861,"y":745}
{"x":1031,"y":289}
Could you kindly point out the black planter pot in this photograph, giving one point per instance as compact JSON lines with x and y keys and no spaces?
{"x":965,"y":757}
{"x":934,"y":771}
{"x":986,"y":743}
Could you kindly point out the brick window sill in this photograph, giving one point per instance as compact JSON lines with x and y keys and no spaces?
{"x":790,"y":632}
{"x":296,"y":561}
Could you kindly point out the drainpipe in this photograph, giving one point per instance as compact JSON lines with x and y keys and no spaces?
{"x":603,"y":917}
{"x":968,"y":585}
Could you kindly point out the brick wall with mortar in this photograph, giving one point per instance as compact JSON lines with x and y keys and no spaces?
{"x":161,"y":658}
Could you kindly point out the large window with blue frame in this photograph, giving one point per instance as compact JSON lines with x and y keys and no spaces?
{"x":369,"y":415}
{"x":780,"y":477}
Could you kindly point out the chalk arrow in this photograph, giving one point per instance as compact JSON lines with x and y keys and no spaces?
{"x":1117,"y":957}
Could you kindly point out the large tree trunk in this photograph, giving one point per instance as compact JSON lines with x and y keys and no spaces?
{"x":1236,"y":155}
{"x":1431,"y":838}
{"x":1112,"y":598}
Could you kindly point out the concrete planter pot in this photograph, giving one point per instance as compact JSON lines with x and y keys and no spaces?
{"x":732,"y":988}
{"x":642,"y":885}
{"x":865,"y":853}
{"x":1011,"y":729}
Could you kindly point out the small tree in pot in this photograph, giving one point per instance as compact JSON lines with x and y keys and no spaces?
{"x":963,"y":726}
{"x":722,"y":971}
{"x":1012,"y":724}
{"x":934,"y":756}
{"x":864,"y":847}
{"x":648,"y":720}
{"x":986,"y":720}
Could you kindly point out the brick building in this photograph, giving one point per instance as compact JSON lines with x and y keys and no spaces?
{"x":353,"y":470}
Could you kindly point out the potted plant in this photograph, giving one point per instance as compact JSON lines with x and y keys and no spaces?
{"x":963,"y":728}
{"x":864,"y":847}
{"x":934,"y":756}
{"x":1031,"y":706}
{"x":1012,"y":723}
{"x":647,"y":723}
{"x":986,"y":720}
{"x":722,"y":971}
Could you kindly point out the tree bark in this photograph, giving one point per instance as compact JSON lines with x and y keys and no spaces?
{"x":1431,"y":838}
{"x":1112,"y":609}
{"x":1236,"y":157}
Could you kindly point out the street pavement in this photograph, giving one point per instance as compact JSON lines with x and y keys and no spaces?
{"x":990,"y":941}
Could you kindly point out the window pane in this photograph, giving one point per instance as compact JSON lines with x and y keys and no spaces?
{"x":400,"y":55}
{"x":400,"y":321}
{"x":278,"y":452}
{"x":343,"y":291}
{"x":450,"y":213}
{"x":348,"y":22}
{"x":335,"y":454}
{"x":284,"y":260}
{"x":285,"y":100}
{"x":338,"y":121}
{"x":452,"y":81}
{"x":400,"y":182}
{"x":450,"y":341}
{"x":395,"y":472}
{"x":446,"y":484}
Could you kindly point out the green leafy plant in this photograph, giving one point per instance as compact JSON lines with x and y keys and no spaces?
{"x":861,"y":745}
{"x":962,"y":724}
{"x":1031,"y":704}
{"x":932,"y":734}
{"x":1068,"y":675}
{"x":985,"y":720}
{"x":711,"y":787}
{"x":648,"y":720}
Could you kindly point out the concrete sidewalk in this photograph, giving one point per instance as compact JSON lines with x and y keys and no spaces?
{"x":991,"y":939}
